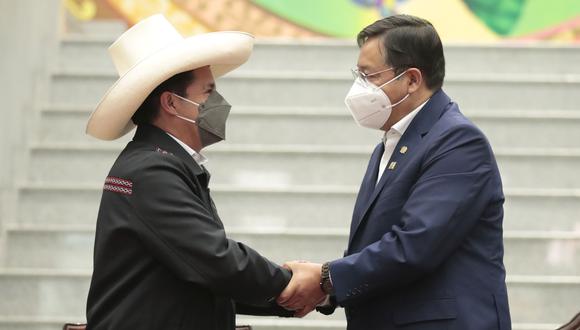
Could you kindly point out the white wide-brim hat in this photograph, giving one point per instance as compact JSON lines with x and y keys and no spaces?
{"x":151,"y":52}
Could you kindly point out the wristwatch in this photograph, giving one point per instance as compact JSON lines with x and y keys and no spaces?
{"x":325,"y":282}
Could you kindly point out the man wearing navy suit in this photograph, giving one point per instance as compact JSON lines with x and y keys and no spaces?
{"x":425,"y":249}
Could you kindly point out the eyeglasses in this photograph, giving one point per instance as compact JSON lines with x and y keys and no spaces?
{"x":357,"y":74}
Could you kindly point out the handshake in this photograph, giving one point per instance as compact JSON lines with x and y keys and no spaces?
{"x":304,"y":292}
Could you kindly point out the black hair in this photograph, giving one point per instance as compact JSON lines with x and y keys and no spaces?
{"x":149,"y":109}
{"x":409,"y":42}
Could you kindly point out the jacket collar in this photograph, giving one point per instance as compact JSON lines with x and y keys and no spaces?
{"x":159,"y":139}
{"x":431,"y":112}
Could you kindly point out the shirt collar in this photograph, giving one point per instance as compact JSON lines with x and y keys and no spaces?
{"x":199,"y":158}
{"x":401,"y":126}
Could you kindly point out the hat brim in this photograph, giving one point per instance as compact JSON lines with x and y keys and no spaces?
{"x":222,"y":51}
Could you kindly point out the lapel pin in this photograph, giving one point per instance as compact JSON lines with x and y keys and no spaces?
{"x":403,"y":149}
{"x":392,"y":165}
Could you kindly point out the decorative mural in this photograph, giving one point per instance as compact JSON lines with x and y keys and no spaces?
{"x":456,"y":20}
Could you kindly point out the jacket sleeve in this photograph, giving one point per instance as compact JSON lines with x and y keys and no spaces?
{"x":455,"y":184}
{"x":271,"y":309}
{"x":182,"y":234}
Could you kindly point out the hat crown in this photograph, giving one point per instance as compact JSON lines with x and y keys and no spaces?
{"x":141,"y":41}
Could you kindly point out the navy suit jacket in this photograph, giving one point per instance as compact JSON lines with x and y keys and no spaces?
{"x":425,"y":248}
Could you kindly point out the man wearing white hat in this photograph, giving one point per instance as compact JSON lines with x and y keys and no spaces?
{"x":162,"y":259}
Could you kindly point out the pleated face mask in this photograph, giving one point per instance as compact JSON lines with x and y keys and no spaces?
{"x":212,"y":118}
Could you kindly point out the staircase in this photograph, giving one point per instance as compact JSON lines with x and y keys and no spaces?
{"x":286,"y":179}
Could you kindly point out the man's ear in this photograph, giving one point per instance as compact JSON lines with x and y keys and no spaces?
{"x":166,"y":103}
{"x":415,"y":79}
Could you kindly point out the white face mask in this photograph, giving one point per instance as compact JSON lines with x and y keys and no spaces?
{"x":369,"y":105}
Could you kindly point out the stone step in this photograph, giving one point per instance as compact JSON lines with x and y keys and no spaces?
{"x":62,"y":294}
{"x":286,"y":165}
{"x":262,"y":323}
{"x":535,"y":302}
{"x":64,"y":247}
{"x":335,"y":126}
{"x":539,"y":299}
{"x":312,"y":206}
{"x":339,"y":56}
{"x":482,"y":91}
{"x":43,"y":294}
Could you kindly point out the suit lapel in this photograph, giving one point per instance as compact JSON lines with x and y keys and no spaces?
{"x":367,"y":186}
{"x":409,"y":142}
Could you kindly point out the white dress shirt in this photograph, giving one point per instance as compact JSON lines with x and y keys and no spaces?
{"x":199,"y":158}
{"x":392,"y":137}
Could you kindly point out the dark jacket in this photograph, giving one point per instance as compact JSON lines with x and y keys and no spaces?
{"x":162,"y":259}
{"x":425,"y":248}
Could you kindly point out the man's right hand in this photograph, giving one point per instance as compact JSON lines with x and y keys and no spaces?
{"x":303,"y":293}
